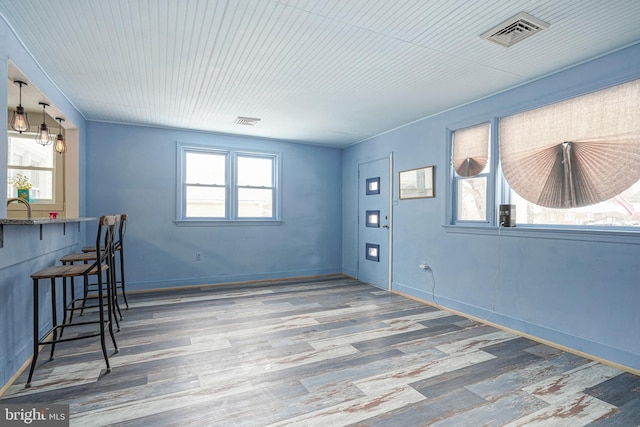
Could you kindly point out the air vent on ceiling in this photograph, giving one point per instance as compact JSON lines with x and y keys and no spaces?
{"x":247,"y":121}
{"x":515,"y":29}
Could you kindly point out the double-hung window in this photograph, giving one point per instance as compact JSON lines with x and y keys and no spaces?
{"x":471,"y":173}
{"x":41,"y":166}
{"x":227,"y":185}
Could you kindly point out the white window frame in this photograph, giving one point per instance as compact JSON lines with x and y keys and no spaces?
{"x":38,"y":205}
{"x":231,"y":187}
{"x":490,"y":219}
{"x":500,"y":193}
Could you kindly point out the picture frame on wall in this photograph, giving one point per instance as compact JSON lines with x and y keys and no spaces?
{"x":416,"y":183}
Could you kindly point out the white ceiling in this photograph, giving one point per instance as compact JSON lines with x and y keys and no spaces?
{"x":330,"y":72}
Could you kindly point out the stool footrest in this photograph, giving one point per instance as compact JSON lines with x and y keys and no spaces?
{"x":44,"y":341}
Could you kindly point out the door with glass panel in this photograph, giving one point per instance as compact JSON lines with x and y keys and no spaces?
{"x":374,"y":221}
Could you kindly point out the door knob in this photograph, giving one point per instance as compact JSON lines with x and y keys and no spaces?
{"x":385,"y":226}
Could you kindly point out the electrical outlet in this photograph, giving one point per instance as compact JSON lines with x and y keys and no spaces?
{"x":198,"y":256}
{"x":424,"y":266}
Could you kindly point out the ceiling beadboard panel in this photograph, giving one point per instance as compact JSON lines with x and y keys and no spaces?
{"x":331,"y":72}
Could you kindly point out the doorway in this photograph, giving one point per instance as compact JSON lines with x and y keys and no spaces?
{"x":374,"y":222}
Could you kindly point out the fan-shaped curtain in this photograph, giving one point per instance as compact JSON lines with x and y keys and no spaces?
{"x":470,"y":150}
{"x":577,"y":152}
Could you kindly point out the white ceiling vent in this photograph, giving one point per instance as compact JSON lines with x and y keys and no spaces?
{"x":247,"y":121}
{"x":515,"y":29}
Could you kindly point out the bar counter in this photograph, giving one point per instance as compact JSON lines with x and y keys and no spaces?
{"x":41,"y":222}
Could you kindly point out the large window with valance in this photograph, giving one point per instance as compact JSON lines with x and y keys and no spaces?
{"x":576,"y":162}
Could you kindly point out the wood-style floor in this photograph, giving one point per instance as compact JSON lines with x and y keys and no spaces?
{"x":327,"y":353}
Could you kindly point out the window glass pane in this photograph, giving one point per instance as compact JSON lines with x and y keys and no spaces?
{"x":255,"y":203}
{"x":255,"y":171}
{"x":26,"y":152}
{"x":205,"y":168}
{"x":41,"y":184}
{"x":472,"y":199}
{"x":205,"y":202}
{"x":23,"y":156}
{"x":621,"y":210}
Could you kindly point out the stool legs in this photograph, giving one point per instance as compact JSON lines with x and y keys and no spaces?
{"x":122,"y":285}
{"x":57,"y":337}
{"x":111,"y":316}
{"x":36,"y":332}
{"x":54,"y":316}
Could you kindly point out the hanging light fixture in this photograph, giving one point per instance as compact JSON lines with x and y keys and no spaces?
{"x":60,"y":146}
{"x":43,"y":137}
{"x":19,"y":121}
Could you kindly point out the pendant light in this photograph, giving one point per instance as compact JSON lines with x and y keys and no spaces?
{"x":60,"y":146}
{"x":19,"y":121}
{"x":43,"y":137}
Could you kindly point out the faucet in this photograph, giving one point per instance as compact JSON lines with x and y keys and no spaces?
{"x":21,"y":200}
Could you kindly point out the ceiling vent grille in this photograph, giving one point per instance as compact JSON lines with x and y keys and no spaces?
{"x":247,"y":121}
{"x":515,"y":30}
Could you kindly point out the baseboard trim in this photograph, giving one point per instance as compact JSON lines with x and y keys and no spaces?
{"x":244,"y":283}
{"x":226,"y":279}
{"x":22,"y":368}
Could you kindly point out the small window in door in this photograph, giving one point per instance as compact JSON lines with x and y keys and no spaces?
{"x":372,"y":252}
{"x":373,"y":219}
{"x":373,"y":186}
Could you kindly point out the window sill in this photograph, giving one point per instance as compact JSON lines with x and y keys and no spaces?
{"x":621,"y":235}
{"x":223,"y":222}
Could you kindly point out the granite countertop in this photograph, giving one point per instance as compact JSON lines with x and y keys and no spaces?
{"x":39,"y":221}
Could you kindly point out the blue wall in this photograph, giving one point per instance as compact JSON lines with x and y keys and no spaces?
{"x":132,"y":169}
{"x":23,"y":252}
{"x":580,"y":290}
{"x":577,"y":290}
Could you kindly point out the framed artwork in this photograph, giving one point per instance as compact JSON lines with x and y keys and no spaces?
{"x":416,"y":183}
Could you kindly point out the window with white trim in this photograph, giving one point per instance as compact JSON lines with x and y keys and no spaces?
{"x":228,"y":185}
{"x":471,"y":172}
{"x":42,"y":167}
{"x":576,"y":162}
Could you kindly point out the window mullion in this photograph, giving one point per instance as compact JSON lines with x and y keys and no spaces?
{"x":232,"y":189}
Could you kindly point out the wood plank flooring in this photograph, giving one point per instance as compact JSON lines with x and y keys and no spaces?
{"x":330,"y":352}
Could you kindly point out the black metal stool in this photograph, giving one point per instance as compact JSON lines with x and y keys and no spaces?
{"x":119,"y":249}
{"x":89,"y":256}
{"x":100,"y":269}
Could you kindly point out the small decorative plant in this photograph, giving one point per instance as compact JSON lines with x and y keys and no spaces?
{"x":20,"y":182}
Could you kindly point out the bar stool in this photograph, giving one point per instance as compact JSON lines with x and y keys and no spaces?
{"x":119,"y":249}
{"x":100,"y":269}
{"x":90,"y":256}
